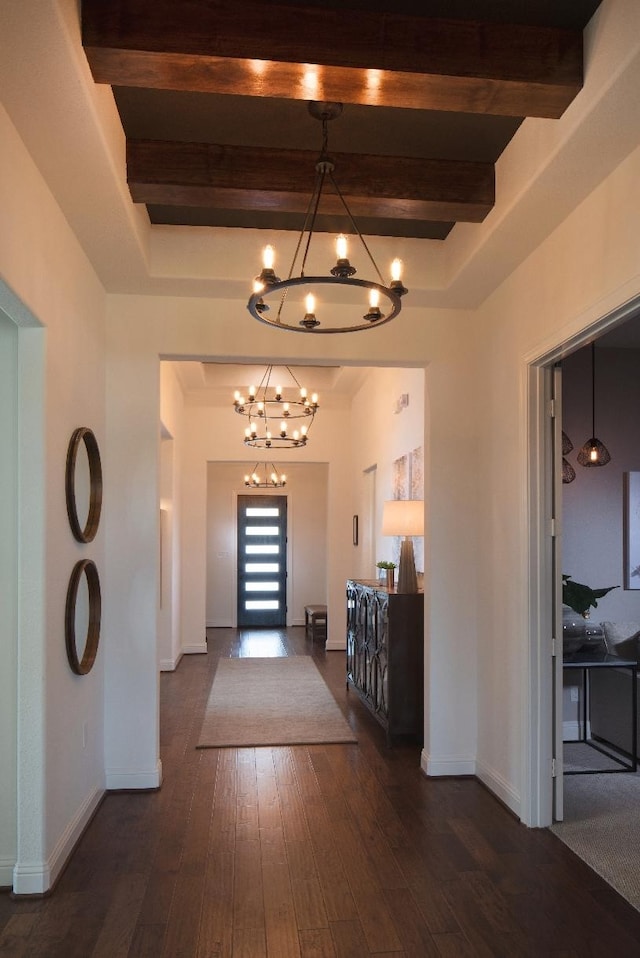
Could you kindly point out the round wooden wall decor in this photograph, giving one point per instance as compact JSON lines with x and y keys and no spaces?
{"x":83,"y":663}
{"x":79,"y":487}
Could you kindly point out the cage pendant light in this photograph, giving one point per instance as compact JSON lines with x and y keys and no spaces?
{"x":266,"y":479}
{"x":334,"y":303}
{"x":594,"y":452}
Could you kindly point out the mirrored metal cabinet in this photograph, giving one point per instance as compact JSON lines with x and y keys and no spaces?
{"x":385,"y":655}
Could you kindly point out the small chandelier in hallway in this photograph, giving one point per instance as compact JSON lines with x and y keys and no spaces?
{"x":270,"y":480}
{"x":594,"y":452}
{"x":370,"y":302}
{"x":272,"y":416}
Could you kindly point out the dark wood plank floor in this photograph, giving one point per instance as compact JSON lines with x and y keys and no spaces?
{"x":338,"y":851}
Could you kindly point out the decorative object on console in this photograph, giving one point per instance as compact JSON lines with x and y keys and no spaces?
{"x":270,"y":411}
{"x":79,"y":487}
{"x":389,"y":568}
{"x":271,"y":480}
{"x":594,"y":452}
{"x":340,"y":286}
{"x":404,"y":517}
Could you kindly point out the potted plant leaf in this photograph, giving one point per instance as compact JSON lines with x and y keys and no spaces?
{"x":578,"y":599}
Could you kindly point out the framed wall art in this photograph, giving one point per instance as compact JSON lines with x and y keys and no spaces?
{"x":632,"y":530}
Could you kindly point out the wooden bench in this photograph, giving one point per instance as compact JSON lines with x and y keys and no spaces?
{"x":315,"y":619}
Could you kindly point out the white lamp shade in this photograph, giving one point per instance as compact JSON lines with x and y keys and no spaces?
{"x":403,"y":517}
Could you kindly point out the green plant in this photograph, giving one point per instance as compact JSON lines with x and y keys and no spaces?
{"x":581,"y":597}
{"x":385,"y":564}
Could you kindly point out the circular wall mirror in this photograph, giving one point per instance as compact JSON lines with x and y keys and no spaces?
{"x":82,"y":615}
{"x":83,"y":484}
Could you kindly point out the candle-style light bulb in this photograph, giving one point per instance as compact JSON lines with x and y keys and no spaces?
{"x":268,"y":257}
{"x":303,"y":392}
{"x":246,"y":480}
{"x":374,"y":298}
{"x":396,"y":270}
{"x":283,"y":428}
{"x":593,"y":454}
{"x":247,"y":433}
{"x":285,"y":409}
{"x":260,"y":408}
{"x":278,"y":392}
{"x":252,"y":393}
{"x":303,"y":430}
{"x":310,"y":303}
{"x":341,"y":246}
{"x":314,"y":399}
{"x":236,"y":395}
{"x":283,"y":478}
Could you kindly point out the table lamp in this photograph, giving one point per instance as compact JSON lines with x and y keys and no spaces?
{"x":404,"y":517}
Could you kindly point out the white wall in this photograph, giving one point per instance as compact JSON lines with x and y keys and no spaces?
{"x":383,"y":432}
{"x":306,"y":494}
{"x":60,"y":379}
{"x":171,"y":425}
{"x":8,"y":595}
{"x":586,"y":269}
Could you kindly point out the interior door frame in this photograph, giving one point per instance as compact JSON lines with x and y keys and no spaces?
{"x":541,"y":717}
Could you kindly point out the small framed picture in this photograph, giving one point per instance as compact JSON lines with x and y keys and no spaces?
{"x":632,"y":530}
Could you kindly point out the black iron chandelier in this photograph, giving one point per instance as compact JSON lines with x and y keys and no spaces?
{"x":278,"y":302}
{"x":270,"y":413}
{"x":270,"y":480}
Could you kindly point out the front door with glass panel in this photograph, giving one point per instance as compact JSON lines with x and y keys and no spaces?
{"x":262,"y":561}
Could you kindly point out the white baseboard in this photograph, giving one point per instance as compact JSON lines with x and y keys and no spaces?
{"x":170,"y":665}
{"x":571,"y":731}
{"x":500,"y":787}
{"x":35,"y":878}
{"x":447,"y":765}
{"x":6,"y":872}
{"x":199,"y":649}
{"x":122,"y":778}
{"x":339,"y":646}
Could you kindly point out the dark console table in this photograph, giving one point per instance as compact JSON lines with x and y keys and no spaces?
{"x":385,"y":655}
{"x":587,"y":662}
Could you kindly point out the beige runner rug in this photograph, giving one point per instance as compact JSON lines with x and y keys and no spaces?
{"x":271,"y":701}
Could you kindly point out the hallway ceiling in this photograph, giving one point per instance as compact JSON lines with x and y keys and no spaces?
{"x":213,"y":102}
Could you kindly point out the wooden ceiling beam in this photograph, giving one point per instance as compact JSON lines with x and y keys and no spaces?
{"x":255,"y":48}
{"x":231,"y":177}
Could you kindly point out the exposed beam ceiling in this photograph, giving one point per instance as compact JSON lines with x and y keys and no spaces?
{"x":397,"y":61}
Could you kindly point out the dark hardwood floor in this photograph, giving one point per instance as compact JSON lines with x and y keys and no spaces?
{"x":336,"y":850}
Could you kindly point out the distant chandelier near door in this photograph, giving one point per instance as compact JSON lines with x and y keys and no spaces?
{"x":270,"y":480}
{"x":270,"y":412}
{"x":278,"y":303}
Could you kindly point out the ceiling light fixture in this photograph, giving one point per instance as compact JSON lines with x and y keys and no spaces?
{"x":269,"y":411}
{"x":594,"y":452}
{"x":271,"y":480}
{"x":384,"y":301}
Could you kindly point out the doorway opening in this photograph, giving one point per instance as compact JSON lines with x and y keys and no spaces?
{"x":549,"y":556}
